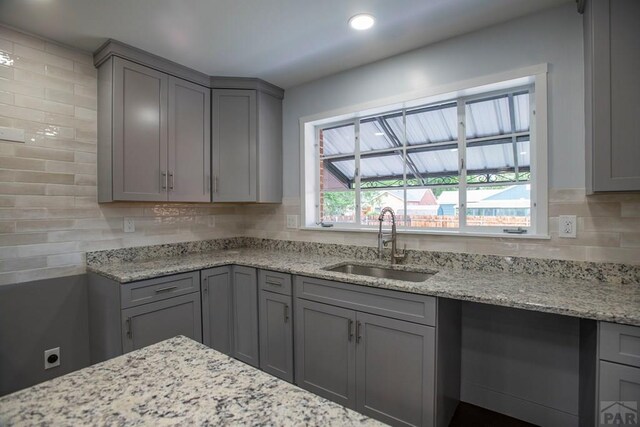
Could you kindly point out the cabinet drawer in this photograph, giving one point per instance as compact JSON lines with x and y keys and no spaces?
{"x":398,"y":305}
{"x":620,"y":343}
{"x":275,"y":282}
{"x":146,"y":291}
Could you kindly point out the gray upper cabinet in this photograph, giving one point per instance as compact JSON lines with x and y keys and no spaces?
{"x":216,"y":308}
{"x":154,"y":135}
{"x":611,"y":95}
{"x":247,"y":146}
{"x":189,"y":165}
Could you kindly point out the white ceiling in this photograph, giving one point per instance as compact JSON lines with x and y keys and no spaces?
{"x":286,"y":42}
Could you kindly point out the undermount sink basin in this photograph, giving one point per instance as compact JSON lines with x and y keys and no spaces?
{"x":382,"y":272}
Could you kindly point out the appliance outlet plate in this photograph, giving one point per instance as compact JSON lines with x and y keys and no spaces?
{"x":52,"y":358}
{"x":129,"y":225}
{"x":567,"y":225}
{"x":292,"y":221}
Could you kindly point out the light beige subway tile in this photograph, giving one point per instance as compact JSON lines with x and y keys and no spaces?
{"x":44,"y":177}
{"x":17,"y":264}
{"x":631,"y":209}
{"x":21,"y":164}
{"x":86,"y":114}
{"x":7,"y":226}
{"x":609,"y":224}
{"x":588,"y":238}
{"x":7,"y":149}
{"x":86,"y":135}
{"x":21,"y":113}
{"x":70,"y":76}
{"x":6,"y":98}
{"x":21,"y":188}
{"x":15,"y":239}
{"x":617,"y":255}
{"x":28,"y":64}
{"x":44,"y":201}
{"x":576,"y":253}
{"x":76,"y":213}
{"x":86,"y":202}
{"x":67,"y":97}
{"x":6,"y":72}
{"x":99,"y":223}
{"x":68,"y":52}
{"x":585,"y":209}
{"x":615,"y":197}
{"x":630,"y":240}
{"x":23,"y":88}
{"x":6,"y":122}
{"x":89,"y":92}
{"x":64,"y":144}
{"x":44,"y":224}
{"x":83,"y":235}
{"x":566,"y":195}
{"x":76,"y":258}
{"x":45,"y":130}
{"x":71,"y":190}
{"x":84,"y":157}
{"x":85,"y":69}
{"x":86,"y":180}
{"x":43,"y":56}
{"x":20,"y":37}
{"x":40,"y":273}
{"x":61,"y":167}
{"x":6,"y":46}
{"x":44,"y":105}
{"x":101,"y":245}
{"x":34,"y":152}
{"x":23,"y":251}
{"x":13,"y":213}
{"x":40,"y":80}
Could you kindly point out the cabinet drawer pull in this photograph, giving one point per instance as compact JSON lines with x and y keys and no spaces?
{"x":272,"y":283}
{"x":161,"y":290}
{"x":350,"y":330}
{"x":286,"y":313}
{"x":163,"y":180}
{"x":170,"y":180}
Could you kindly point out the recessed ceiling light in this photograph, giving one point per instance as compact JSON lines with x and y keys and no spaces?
{"x":362,"y":21}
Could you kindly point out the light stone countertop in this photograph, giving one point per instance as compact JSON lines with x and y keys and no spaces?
{"x":610,"y":302}
{"x":175,"y":382}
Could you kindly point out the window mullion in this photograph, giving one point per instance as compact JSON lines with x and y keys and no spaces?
{"x":462,"y":183}
{"x":404,"y":162}
{"x":358,"y":211}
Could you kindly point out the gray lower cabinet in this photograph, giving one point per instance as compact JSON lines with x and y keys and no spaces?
{"x":395,"y":370}
{"x":612,"y":89}
{"x":619,"y":392}
{"x":129,"y":316}
{"x":245,"y":344}
{"x":151,"y":323}
{"x":216,"y":308}
{"x":325,"y":351}
{"x":276,"y":335}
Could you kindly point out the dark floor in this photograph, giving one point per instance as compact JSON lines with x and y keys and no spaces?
{"x":470,"y":415}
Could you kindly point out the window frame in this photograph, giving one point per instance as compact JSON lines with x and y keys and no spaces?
{"x":533,"y":79}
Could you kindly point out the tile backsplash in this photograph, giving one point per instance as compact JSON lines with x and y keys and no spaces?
{"x":49,"y":217}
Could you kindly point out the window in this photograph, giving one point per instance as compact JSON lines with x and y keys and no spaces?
{"x":463,"y":165}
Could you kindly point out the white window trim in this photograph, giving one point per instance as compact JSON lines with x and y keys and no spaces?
{"x":536,"y":76}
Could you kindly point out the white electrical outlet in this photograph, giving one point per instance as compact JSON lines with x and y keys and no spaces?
{"x":567,"y":225}
{"x":211,"y":221}
{"x":52,"y":358}
{"x":292,"y":221}
{"x":129,"y":225}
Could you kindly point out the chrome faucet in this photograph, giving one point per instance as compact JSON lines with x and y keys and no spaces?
{"x":384,"y":238}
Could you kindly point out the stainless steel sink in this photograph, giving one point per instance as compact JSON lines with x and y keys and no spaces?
{"x":382,"y":272}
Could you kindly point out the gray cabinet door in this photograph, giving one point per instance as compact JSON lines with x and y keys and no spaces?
{"x":619,"y":393}
{"x":325,"y":351}
{"x":612,"y":91}
{"x":216,"y":308}
{"x":395,"y":363}
{"x":139,"y":132}
{"x":151,"y":323}
{"x":245,"y":344}
{"x":234,"y":139}
{"x":276,"y":335}
{"x":189,"y":172}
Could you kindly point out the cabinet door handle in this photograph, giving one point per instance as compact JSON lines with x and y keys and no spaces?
{"x":170,"y":180}
{"x":161,"y":290}
{"x":129,"y":333}
{"x":286,"y":313}
{"x":163,"y":180}
{"x":358,"y":331}
{"x":215,"y":184}
{"x":350,"y":330}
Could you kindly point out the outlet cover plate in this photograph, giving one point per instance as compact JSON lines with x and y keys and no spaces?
{"x":292,"y":221}
{"x":129,"y":225}
{"x":51,"y":352}
{"x":567,"y":225}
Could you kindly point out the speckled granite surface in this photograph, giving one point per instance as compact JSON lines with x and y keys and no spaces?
{"x":175,"y":382}
{"x":611,"y":302}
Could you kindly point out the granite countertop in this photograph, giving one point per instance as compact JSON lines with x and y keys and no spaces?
{"x":610,"y":302}
{"x":175,"y":382}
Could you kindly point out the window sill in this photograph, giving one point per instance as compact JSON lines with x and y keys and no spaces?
{"x":429,"y":232}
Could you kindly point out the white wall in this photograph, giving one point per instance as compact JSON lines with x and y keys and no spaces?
{"x":553,"y":36}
